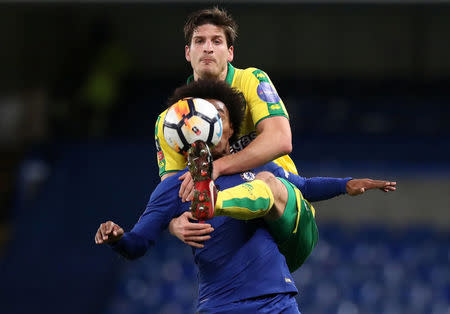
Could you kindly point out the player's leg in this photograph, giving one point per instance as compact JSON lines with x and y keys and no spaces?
{"x":291,"y":219}
{"x":280,"y":195}
{"x":245,"y":201}
{"x":252,"y":199}
{"x":295,"y":231}
{"x":265,"y":196}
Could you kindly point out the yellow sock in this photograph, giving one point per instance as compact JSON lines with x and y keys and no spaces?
{"x":245,"y":201}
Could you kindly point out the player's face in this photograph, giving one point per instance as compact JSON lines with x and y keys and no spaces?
{"x":223,"y":147}
{"x":208,"y":52}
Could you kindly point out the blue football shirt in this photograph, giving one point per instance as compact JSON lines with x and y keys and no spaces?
{"x":240,"y":261}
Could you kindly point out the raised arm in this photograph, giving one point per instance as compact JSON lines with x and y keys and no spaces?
{"x":323,"y":188}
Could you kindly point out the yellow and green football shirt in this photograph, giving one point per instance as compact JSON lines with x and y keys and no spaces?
{"x":262,"y":101}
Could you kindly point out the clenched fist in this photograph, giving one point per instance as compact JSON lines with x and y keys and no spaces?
{"x":108,"y":233}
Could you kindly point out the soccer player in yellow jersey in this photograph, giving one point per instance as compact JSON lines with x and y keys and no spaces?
{"x":265,"y":133}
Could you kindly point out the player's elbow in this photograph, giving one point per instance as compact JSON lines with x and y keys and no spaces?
{"x":285,"y":145}
{"x":277,"y":134}
{"x":284,"y":140}
{"x":286,"y":148}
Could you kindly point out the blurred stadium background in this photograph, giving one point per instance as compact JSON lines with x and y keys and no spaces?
{"x":366,"y":84}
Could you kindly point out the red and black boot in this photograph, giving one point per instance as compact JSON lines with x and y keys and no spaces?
{"x":200,"y":165}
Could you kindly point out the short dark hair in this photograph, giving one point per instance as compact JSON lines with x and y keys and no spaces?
{"x":214,"y":16}
{"x":219,"y":90}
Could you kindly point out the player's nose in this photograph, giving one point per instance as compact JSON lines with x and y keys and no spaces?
{"x":208,"y":45}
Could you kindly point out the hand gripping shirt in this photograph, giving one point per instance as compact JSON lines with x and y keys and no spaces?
{"x":262,"y":101}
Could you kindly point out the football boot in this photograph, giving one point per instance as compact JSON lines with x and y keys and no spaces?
{"x":200,"y":164}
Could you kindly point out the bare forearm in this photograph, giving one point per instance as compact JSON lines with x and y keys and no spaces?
{"x":265,"y":148}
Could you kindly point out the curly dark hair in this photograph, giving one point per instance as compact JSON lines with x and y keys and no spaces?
{"x":219,"y":90}
{"x":214,"y":16}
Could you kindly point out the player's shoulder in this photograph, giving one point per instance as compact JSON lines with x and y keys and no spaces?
{"x":253,"y":72}
{"x":160,"y":119}
{"x":162,"y":114}
{"x":250,"y":77}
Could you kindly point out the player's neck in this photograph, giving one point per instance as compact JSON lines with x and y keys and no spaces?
{"x":222,"y":76}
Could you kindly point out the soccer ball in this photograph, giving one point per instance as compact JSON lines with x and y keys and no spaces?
{"x":190,"y":120}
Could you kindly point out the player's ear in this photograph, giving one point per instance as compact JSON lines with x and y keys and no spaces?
{"x":231,"y":129}
{"x":230,"y":54}
{"x":187,"y":53}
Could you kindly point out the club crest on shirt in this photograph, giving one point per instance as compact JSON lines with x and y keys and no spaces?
{"x":248,"y":176}
{"x":266,"y":92}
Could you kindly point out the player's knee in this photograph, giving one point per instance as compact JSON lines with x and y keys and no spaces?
{"x":268,"y":178}
{"x":264,"y":176}
{"x":279,"y":192}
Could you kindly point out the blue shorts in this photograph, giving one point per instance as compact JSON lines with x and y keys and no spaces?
{"x":277,"y":303}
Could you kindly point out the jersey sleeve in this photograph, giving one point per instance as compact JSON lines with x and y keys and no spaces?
{"x":167,"y":158}
{"x":261,"y":96}
{"x":164,"y":204}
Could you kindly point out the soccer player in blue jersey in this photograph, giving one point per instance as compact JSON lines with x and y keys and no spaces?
{"x":240,"y":269}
